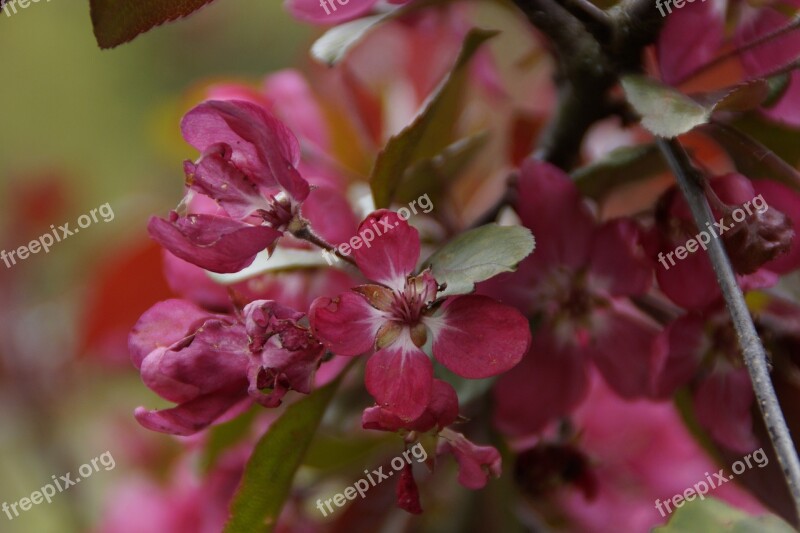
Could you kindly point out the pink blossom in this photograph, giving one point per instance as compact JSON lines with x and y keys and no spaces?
{"x":473,"y":336}
{"x":576,"y":286}
{"x":248,"y":167}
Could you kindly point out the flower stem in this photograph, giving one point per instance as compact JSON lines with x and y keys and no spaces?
{"x":752,"y":350}
{"x":307,"y":234}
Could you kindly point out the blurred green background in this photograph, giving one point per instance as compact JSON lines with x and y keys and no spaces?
{"x":80,"y":127}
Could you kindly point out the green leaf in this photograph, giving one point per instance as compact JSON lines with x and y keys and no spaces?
{"x":702,"y":516}
{"x":224,"y":436}
{"x":433,"y":176}
{"x":279,"y":453}
{"x":480,"y":254}
{"x":118,"y":21}
{"x":334,"y":44}
{"x":622,"y":166}
{"x":665,"y":111}
{"x":431,"y":130}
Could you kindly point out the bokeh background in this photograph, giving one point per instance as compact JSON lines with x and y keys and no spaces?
{"x":81,"y":127}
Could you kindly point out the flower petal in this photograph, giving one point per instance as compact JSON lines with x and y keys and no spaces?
{"x":550,"y":204}
{"x":190,"y":417}
{"x":400,"y":378}
{"x":442,"y":411}
{"x":550,"y":382}
{"x":390,"y":249}
{"x":475,"y":463}
{"x":623,"y":350}
{"x":218,"y":244}
{"x":346,"y":324}
{"x":478,"y":337}
{"x":215,"y":177}
{"x":263,"y":147}
{"x":619,"y":265}
{"x":723,"y":404}
{"x":162,"y":325}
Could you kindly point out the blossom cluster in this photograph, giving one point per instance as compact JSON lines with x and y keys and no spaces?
{"x":588,"y":316}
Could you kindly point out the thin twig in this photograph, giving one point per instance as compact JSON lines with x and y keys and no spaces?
{"x":753,"y":352}
{"x":758,"y":41}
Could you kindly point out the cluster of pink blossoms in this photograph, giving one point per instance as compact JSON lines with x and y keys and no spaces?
{"x":214,"y":365}
{"x":589,"y":316}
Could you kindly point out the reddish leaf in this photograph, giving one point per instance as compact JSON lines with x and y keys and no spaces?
{"x":119,"y":21}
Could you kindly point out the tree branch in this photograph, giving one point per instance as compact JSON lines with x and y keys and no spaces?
{"x":752,"y":350}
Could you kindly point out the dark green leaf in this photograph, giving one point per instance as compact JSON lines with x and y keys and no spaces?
{"x":279,"y":453}
{"x":480,"y":254}
{"x":431,"y":130}
{"x":118,"y":21}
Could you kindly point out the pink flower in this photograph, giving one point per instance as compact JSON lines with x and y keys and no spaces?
{"x":215,"y":365}
{"x":700,"y":349}
{"x":248,"y":167}
{"x":473,"y":336}
{"x":576,"y":286}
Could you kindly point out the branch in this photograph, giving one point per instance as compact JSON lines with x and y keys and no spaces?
{"x":752,"y":350}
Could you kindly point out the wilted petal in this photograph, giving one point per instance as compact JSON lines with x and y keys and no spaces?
{"x":163,"y":325}
{"x":478,"y":337}
{"x":285,"y":355}
{"x":218,"y":244}
{"x":400,"y":378}
{"x":346,"y":324}
{"x":787,"y":201}
{"x":394,"y":252}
